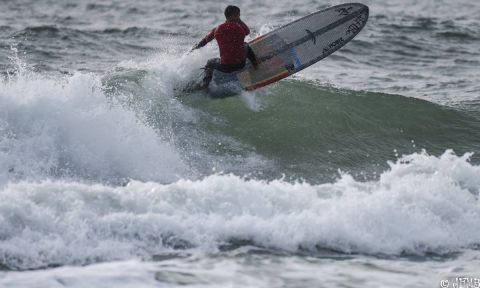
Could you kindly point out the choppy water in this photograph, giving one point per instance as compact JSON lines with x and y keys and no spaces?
{"x":361,"y":170}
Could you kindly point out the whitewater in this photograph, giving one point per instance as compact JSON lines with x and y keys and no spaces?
{"x":361,"y":171}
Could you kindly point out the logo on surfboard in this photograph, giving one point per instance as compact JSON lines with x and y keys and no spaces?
{"x":310,"y":33}
{"x":344,"y":11}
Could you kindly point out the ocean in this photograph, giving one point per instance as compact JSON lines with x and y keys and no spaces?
{"x":362,"y":170}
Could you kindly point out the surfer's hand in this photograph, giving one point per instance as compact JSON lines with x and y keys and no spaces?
{"x":200,"y":44}
{"x":195,"y":47}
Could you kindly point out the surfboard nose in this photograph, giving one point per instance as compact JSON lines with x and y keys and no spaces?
{"x":361,"y":6}
{"x":364,"y":7}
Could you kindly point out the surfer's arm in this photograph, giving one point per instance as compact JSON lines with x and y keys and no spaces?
{"x":205,"y":40}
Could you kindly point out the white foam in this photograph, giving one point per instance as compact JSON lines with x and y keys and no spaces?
{"x":133,"y":274}
{"x":52,"y":127}
{"x":422,"y":204}
{"x":239,"y":269}
{"x":252,"y":100}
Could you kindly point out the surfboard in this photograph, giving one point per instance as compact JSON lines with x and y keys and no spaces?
{"x":297,"y":45}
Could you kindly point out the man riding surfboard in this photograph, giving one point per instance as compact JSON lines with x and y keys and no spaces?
{"x":234,"y":51}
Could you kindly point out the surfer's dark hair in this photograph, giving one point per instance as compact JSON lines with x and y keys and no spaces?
{"x":231,"y":11}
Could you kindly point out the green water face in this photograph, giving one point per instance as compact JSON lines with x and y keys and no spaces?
{"x":310,"y":131}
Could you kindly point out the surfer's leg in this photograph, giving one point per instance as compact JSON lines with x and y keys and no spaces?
{"x":211,"y":65}
{"x":251,"y":56}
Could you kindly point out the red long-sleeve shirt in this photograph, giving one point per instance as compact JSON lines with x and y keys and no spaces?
{"x":230,"y":37}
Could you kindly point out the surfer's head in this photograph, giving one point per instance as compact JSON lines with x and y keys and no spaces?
{"x":232,"y":12}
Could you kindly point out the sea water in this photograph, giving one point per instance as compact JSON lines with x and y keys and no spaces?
{"x":361,"y":170}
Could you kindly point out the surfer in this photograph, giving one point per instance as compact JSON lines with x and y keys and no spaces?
{"x":230,"y":37}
